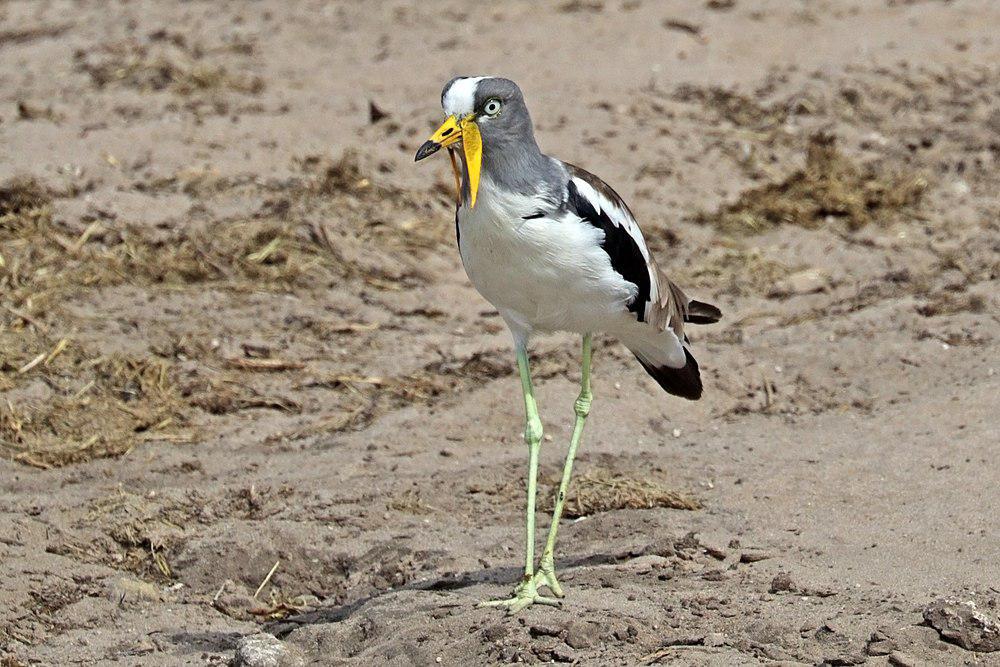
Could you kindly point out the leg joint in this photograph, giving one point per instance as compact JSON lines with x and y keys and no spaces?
{"x":582,"y":405}
{"x":533,"y":431}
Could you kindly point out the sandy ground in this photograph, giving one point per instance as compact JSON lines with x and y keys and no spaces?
{"x":235,"y":332}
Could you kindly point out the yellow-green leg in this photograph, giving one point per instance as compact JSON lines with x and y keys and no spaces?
{"x":546,"y":575}
{"x":526,"y":593}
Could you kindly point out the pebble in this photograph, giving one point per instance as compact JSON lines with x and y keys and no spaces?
{"x":579,"y":635}
{"x":125,"y":590}
{"x":264,"y":650}
{"x":782,"y":582}
{"x":962,"y":623}
{"x":900,"y":659}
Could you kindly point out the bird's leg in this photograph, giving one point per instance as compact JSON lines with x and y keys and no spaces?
{"x":546,"y":575}
{"x":526,"y":593}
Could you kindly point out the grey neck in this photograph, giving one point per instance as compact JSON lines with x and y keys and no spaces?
{"x":519,"y":167}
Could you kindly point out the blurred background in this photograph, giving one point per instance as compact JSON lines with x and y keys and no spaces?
{"x":245,"y":384}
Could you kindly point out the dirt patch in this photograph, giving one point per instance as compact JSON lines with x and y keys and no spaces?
{"x":600,"y":490}
{"x":734,"y":107}
{"x":166,"y":62}
{"x":66,"y":405}
{"x":830,"y":188}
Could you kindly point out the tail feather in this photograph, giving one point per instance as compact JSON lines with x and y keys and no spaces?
{"x":684,"y":382}
{"x":699,"y":312}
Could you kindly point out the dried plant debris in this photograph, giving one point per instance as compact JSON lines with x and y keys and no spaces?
{"x":731,"y":268}
{"x":163,"y":65}
{"x":142,"y":533}
{"x":22,"y":195}
{"x":65,"y":405}
{"x":829,"y":187}
{"x":409,"y":502}
{"x":950,"y":303}
{"x":285,"y":246}
{"x":601,"y":490}
{"x":733,"y":107}
{"x":365,"y":397}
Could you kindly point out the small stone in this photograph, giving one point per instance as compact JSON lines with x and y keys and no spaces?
{"x":884,"y":647}
{"x":715,"y":639}
{"x":880,"y":643}
{"x":782,"y":583}
{"x":264,"y":650}
{"x":753,"y":556}
{"x":580,"y":635}
{"x":544,"y":630}
{"x":962,"y":623}
{"x":562,"y":653}
{"x":900,"y":659}
{"x":495,"y":633}
{"x":663,"y":547}
{"x":125,"y":590}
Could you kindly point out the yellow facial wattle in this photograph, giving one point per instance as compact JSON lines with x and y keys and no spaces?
{"x":472,"y":146}
{"x":452,"y":131}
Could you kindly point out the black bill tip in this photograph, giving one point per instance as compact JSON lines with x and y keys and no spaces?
{"x":429,"y":148}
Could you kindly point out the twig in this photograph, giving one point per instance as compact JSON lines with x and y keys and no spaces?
{"x":26,"y":317}
{"x":57,"y":350}
{"x":31,"y":364}
{"x":266,"y":579}
{"x":264,"y":364}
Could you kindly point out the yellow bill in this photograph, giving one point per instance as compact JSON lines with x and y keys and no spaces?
{"x":450,"y":132}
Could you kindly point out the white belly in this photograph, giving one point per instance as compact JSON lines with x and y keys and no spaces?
{"x":541,"y":274}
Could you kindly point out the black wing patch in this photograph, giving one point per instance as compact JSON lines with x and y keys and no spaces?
{"x":625,"y":254}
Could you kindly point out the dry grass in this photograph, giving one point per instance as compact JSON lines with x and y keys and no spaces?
{"x":43,"y":263}
{"x":74,"y":406}
{"x":364,"y":398}
{"x":601,"y":490}
{"x":142,"y":533}
{"x":830,"y":186}
{"x":732,"y":268}
{"x":78,"y":405}
{"x":950,"y":303}
{"x":738,"y":109}
{"x":153,"y":67}
{"x":409,"y":502}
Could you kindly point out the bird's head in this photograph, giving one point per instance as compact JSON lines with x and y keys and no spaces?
{"x":484,"y":113}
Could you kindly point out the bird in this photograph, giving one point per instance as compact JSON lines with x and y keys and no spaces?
{"x":554,"y":248}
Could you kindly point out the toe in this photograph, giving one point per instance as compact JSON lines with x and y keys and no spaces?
{"x":552,"y":602}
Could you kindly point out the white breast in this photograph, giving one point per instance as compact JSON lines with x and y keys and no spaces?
{"x":543,"y":273}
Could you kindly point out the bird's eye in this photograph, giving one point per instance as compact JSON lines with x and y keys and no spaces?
{"x":492,"y":107}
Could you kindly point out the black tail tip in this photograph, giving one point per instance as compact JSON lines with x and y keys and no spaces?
{"x":700,"y":312}
{"x":684,"y":382}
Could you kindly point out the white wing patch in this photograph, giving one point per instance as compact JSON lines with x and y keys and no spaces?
{"x":623,"y":219}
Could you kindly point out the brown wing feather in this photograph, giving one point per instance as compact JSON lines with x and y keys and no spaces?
{"x":671,"y":308}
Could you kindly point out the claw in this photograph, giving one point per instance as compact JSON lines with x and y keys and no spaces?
{"x":546,"y":576}
{"x":525,"y":595}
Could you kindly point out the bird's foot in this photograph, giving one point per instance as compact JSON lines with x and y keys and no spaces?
{"x":525,"y":595}
{"x":546,"y":576}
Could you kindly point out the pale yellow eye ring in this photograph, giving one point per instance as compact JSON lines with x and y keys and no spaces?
{"x":492,"y":107}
